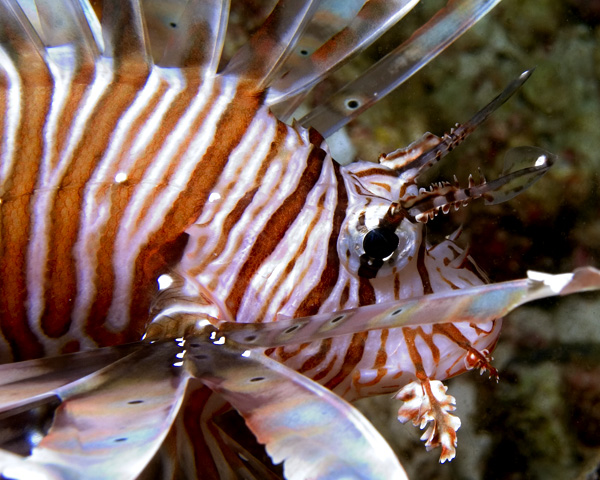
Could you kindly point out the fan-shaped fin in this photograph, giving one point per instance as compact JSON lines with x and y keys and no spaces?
{"x":313,"y":431}
{"x":25,"y":380}
{"x":260,"y":59}
{"x":396,"y":67}
{"x":303,"y":72}
{"x":126,"y":39}
{"x":110,"y":423}
{"x":21,"y":44}
{"x":196,"y":39}
{"x":479,"y":304}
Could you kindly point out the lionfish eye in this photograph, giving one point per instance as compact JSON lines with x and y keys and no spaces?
{"x":371,"y":246}
{"x":380,"y":243}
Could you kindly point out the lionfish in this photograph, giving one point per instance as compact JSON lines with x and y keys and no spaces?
{"x":171,"y":248}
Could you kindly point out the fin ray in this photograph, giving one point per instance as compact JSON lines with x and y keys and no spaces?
{"x":398,"y":66}
{"x":375,"y":18}
{"x":260,"y":59}
{"x":479,"y":304}
{"x":111,"y":423}
{"x":199,"y":36}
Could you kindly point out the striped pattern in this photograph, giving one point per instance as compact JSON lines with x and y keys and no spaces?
{"x":141,"y":187}
{"x":116,"y":171}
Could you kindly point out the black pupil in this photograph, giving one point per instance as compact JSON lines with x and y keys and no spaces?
{"x":380,"y":243}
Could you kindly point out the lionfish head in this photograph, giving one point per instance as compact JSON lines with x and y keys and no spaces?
{"x":381,"y":232}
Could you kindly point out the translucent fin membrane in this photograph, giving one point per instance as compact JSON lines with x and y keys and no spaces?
{"x":196,"y":38}
{"x":375,"y":18}
{"x":20,"y":42}
{"x":313,"y":431}
{"x":107,"y":424}
{"x":399,"y":65}
{"x":74,"y":32}
{"x":476,"y":305}
{"x":260,"y":59}
{"x":125,"y":38}
{"x":162,"y":20}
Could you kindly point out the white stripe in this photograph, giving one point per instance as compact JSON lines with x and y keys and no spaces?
{"x":241,"y":170}
{"x":12,"y":116}
{"x":46,"y":189}
{"x":176,"y":83}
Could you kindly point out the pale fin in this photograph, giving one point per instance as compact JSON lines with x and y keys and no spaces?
{"x":197,"y":38}
{"x":126,"y":39}
{"x":475,"y":305}
{"x":396,"y":67}
{"x":313,"y":431}
{"x":21,"y":43}
{"x":93,"y":23}
{"x":260,"y":59}
{"x":303,"y":72}
{"x":162,"y":18}
{"x":110,"y":423}
{"x":24,"y":380}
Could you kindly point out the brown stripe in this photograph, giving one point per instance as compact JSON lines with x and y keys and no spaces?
{"x":315,"y":360}
{"x":321,"y":291}
{"x":353,"y":356}
{"x":276,"y":227}
{"x":284,"y":353}
{"x":366,"y":292}
{"x":422,"y":269}
{"x":15,"y":223}
{"x":385,"y":172}
{"x":65,"y":212}
{"x":290,"y":266}
{"x":450,"y":284}
{"x":236,"y":213}
{"x":324,"y":372}
{"x":65,"y":121}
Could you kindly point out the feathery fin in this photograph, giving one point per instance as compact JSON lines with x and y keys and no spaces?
{"x":313,"y":431}
{"x":110,"y":423}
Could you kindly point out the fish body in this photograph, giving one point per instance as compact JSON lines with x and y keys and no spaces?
{"x":148,"y":191}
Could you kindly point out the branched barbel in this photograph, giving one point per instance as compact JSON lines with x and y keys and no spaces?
{"x":147,"y":193}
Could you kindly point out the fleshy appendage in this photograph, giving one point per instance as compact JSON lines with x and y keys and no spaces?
{"x":427,"y":404}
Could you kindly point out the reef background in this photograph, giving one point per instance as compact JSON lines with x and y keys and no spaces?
{"x":542,"y":420}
